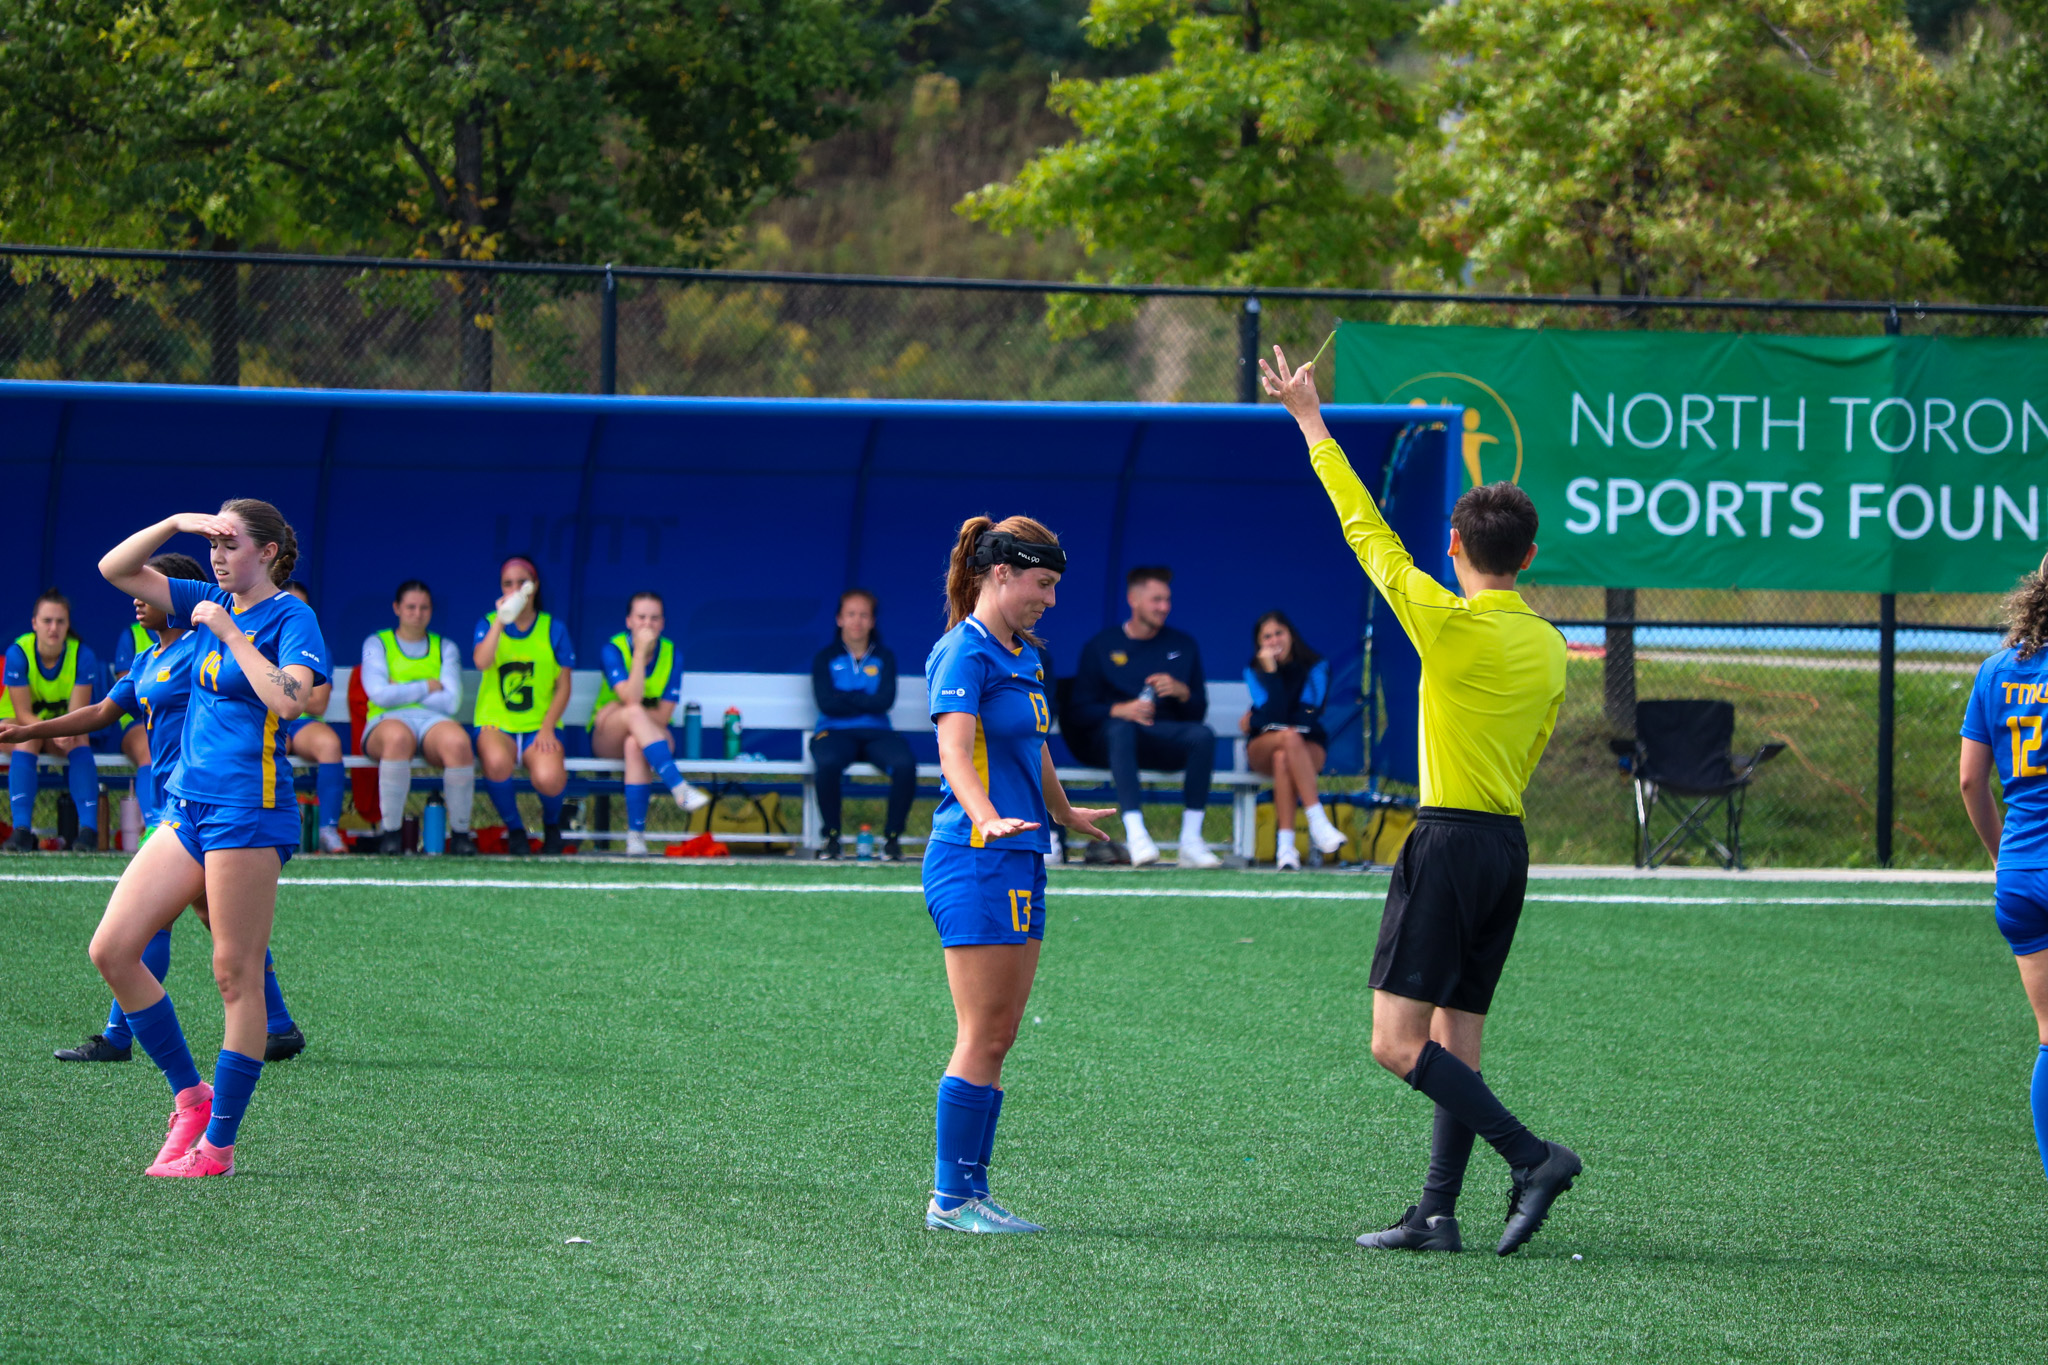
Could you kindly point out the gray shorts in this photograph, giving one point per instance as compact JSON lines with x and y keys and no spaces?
{"x":417,"y":719}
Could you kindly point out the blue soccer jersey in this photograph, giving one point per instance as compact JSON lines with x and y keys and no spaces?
{"x":234,"y":743}
{"x":2007,"y":709}
{"x":157,"y":689}
{"x":1004,"y":690}
{"x":617,"y":666}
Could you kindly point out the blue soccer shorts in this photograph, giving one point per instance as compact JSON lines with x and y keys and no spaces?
{"x":984,"y":895}
{"x":202,"y":827}
{"x":2021,"y":904}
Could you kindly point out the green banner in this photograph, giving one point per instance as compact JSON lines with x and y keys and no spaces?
{"x":1689,"y":460}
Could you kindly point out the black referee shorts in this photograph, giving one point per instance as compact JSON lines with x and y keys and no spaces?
{"x":1452,"y":909}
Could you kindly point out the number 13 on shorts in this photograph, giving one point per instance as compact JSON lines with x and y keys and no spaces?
{"x":1020,"y":911}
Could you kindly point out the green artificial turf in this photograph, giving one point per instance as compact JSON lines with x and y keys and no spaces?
{"x":1805,"y":1131}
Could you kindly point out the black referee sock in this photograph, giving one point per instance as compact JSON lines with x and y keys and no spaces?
{"x":1456,"y":1087}
{"x":1450,"y":1152}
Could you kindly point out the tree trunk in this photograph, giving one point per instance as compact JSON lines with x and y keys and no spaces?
{"x":222,"y":295}
{"x":473,"y":294}
{"x":1619,"y":674}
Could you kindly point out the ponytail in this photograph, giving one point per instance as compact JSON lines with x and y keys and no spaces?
{"x":964,"y":581}
{"x":267,"y":526}
{"x":2026,"y":613}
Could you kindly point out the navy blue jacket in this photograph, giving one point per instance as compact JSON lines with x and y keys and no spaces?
{"x":1113,"y":668}
{"x":854,"y":695}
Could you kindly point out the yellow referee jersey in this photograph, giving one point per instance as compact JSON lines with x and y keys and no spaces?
{"x":1492,"y":670}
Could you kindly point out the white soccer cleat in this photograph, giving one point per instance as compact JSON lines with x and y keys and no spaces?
{"x":1144,"y":852}
{"x":636,"y":844}
{"x":1196,"y":854}
{"x":331,"y":840}
{"x":690,"y":798}
{"x":1286,"y":857}
{"x":1325,"y":835}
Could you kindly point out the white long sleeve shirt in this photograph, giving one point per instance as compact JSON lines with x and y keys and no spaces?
{"x":389,"y":696}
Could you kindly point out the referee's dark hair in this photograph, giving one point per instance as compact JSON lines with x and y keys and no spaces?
{"x":1148,"y":573}
{"x":1497,"y":524}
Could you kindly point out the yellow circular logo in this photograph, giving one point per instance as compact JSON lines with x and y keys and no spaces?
{"x":1491,"y":430}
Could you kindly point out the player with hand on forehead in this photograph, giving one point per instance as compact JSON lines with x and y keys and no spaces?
{"x":984,"y":868}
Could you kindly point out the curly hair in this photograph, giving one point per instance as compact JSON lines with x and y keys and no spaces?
{"x":2026,"y":613}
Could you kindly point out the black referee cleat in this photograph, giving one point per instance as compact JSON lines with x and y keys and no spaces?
{"x":1535,"y":1189}
{"x":1436,"y":1233}
{"x":94,"y":1049}
{"x":282,"y":1047}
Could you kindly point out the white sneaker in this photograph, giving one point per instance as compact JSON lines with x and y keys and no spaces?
{"x":1286,"y":857}
{"x":1324,"y":835}
{"x":1144,"y":852}
{"x":690,"y":798}
{"x":331,"y":840}
{"x":636,"y":844}
{"x":1193,"y":854}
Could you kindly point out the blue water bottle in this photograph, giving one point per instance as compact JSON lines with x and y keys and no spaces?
{"x":864,"y":846}
{"x":693,"y":730}
{"x":434,"y":826}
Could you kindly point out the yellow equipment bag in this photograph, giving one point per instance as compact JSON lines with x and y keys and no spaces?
{"x":1375,"y":834}
{"x":735,"y":811}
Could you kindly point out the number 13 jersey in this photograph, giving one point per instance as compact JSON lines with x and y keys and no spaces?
{"x":2007,"y":708}
{"x":970,"y":672}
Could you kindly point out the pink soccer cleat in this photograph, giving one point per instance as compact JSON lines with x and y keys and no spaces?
{"x":188,"y":1121}
{"x":203,"y":1159}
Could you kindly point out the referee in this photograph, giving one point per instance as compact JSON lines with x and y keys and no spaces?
{"x":1492,"y":680}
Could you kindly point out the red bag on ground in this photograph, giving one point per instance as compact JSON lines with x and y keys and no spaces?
{"x":701,"y":846}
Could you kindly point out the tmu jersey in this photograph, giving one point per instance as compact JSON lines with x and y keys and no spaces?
{"x":2007,"y":709}
{"x":1004,"y":690}
{"x":157,"y":688}
{"x":234,"y":743}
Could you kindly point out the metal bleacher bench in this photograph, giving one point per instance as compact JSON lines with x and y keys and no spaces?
{"x":784,"y":701}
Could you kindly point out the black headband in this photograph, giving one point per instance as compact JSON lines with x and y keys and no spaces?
{"x":1000,"y":547}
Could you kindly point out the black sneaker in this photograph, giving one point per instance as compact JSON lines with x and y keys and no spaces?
{"x":551,"y":841}
{"x":22,"y":841}
{"x":828,"y":852}
{"x":1439,"y":1232}
{"x":892,"y":849}
{"x":86,"y":841}
{"x":282,"y":1047}
{"x":94,"y":1049}
{"x":1106,"y":853}
{"x":516,"y":842}
{"x":462,"y":844}
{"x":1535,"y":1188}
{"x":391,"y":842}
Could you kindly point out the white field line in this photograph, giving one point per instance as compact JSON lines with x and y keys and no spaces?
{"x":1064,"y":892}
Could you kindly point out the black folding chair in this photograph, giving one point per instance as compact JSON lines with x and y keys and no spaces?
{"x":1681,"y":750}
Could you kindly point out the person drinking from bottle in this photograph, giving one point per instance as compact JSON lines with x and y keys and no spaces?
{"x":525,"y":657}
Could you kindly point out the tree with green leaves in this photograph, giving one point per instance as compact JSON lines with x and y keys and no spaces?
{"x":1666,"y":147}
{"x":1244,"y":159}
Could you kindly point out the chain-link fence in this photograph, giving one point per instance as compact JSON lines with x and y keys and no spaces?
{"x":1864,"y":692}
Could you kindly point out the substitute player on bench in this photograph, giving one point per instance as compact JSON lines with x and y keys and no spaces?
{"x":1492,"y":681}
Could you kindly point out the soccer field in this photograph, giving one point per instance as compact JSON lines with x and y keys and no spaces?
{"x":1802,"y":1108}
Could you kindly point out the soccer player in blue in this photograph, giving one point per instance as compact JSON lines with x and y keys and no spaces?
{"x":643,"y":683}
{"x":229,"y":810}
{"x":314,"y":740}
{"x":155,"y":687}
{"x":2002,"y":728}
{"x":984,"y":869}
{"x":48,"y":672}
{"x":137,"y":639}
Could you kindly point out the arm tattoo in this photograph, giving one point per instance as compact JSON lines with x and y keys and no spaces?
{"x":286,"y":683}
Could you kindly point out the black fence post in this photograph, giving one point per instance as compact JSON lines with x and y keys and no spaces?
{"x":1892,"y":325}
{"x":608,"y":335}
{"x":1887,"y":673}
{"x":1618,"y":670}
{"x":1248,"y":351}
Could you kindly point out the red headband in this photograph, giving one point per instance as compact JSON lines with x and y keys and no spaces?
{"x":531,"y":567}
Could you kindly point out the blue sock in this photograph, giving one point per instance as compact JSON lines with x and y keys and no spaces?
{"x":156,"y":1028}
{"x":330,"y":781}
{"x":2040,"y":1099}
{"x":273,"y":998}
{"x":234,"y":1081}
{"x":551,"y":809}
{"x":662,"y":759}
{"x":156,"y":955}
{"x":145,"y":794}
{"x":979,"y":1180}
{"x":21,"y":789}
{"x":85,"y":787}
{"x":962,"y":1123}
{"x":638,"y":794}
{"x":503,"y":801}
